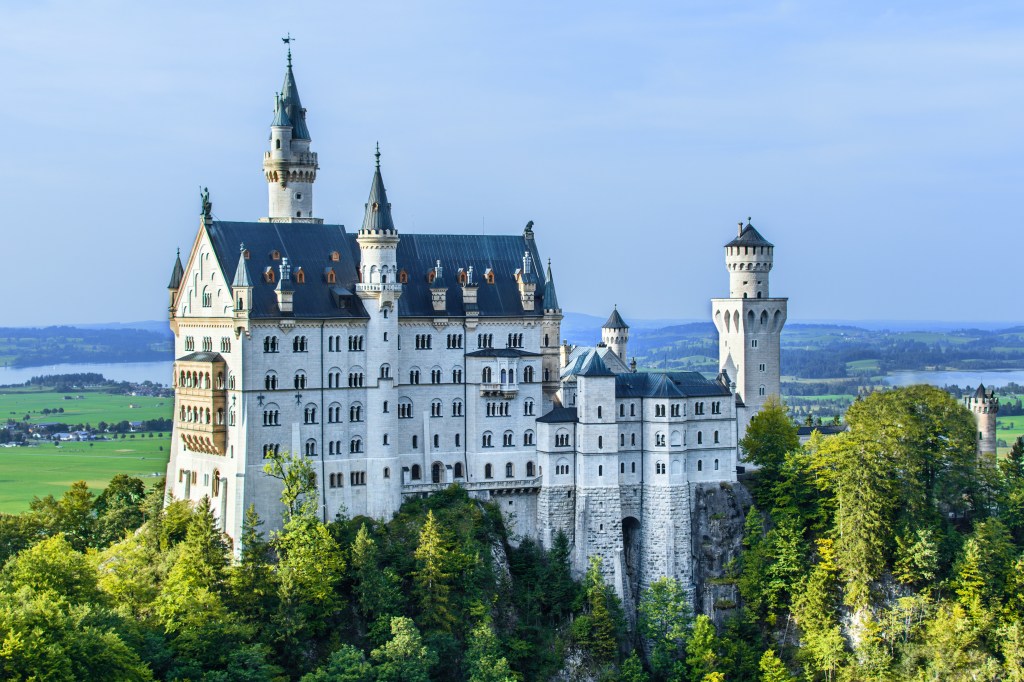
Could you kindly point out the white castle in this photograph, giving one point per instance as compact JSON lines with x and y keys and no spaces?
{"x":402,"y":363}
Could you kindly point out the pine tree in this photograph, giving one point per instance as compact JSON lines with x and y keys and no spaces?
{"x":665,"y":619}
{"x":484,"y":662}
{"x":701,"y":657}
{"x":433,"y":577}
{"x":604,"y":615}
{"x":404,"y":658}
{"x":773,"y":669}
{"x":252,"y":584}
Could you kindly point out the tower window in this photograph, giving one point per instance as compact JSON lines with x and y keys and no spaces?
{"x":278,"y":144}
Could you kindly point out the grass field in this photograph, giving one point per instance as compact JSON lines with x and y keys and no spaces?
{"x":93,"y":407}
{"x":47,"y":469}
{"x":1008,"y":429}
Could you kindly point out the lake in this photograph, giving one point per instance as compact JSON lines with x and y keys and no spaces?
{"x":955,"y":378}
{"x":136,"y":372}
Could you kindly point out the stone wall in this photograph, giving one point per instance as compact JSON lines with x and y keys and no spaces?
{"x":719,"y":513}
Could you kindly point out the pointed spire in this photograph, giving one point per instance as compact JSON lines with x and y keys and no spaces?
{"x":177,"y":274}
{"x":242,"y":271}
{"x":550,"y":298}
{"x":291,"y":104}
{"x":615,"y":320}
{"x":378,"y":210}
{"x":280,"y":115}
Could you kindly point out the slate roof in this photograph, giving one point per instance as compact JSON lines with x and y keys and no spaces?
{"x":177,"y":273}
{"x":580,"y":356}
{"x":241,"y":271}
{"x":824,"y":429}
{"x":305,"y":245}
{"x":667,"y":385}
{"x":980,"y":393}
{"x":292,"y":106}
{"x":502,"y":353}
{"x":559,"y":415}
{"x":378,"y":209}
{"x":309,"y":245}
{"x":615,"y":321}
{"x":549,"y":298}
{"x":280,"y":114}
{"x":749,"y":237}
{"x":202,"y":356}
{"x":418,"y":253}
{"x":594,"y":367}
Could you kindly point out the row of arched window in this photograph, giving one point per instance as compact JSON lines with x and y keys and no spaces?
{"x":201,"y":415}
{"x":507,"y":439}
{"x":195,"y":379}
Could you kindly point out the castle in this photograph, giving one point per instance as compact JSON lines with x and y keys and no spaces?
{"x":984,"y":405}
{"x":402,"y":363}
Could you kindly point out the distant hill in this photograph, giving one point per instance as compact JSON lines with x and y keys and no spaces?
{"x":31,"y":347}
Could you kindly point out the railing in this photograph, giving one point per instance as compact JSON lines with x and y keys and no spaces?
{"x":389,"y":286}
{"x":495,"y":484}
{"x":498,"y":388}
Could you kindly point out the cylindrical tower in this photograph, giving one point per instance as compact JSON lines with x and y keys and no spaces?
{"x":749,"y":260}
{"x":985,"y":407}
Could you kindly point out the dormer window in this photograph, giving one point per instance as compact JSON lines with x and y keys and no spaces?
{"x":335,"y":256}
{"x":245,"y":254}
{"x":300,"y":276}
{"x":275,"y":255}
{"x":331,"y":277}
{"x":375,"y":207}
{"x":489,"y":276}
{"x":268,"y":275}
{"x":462,"y":276}
{"x":430,"y":277}
{"x":403,"y":277}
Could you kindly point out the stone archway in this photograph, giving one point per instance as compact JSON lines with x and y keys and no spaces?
{"x":631,"y":540}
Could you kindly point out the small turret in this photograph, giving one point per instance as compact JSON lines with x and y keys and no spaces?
{"x":550,"y":297}
{"x":615,"y":334}
{"x":241,"y":290}
{"x":285,"y":290}
{"x":439,"y":289}
{"x":378,"y":247}
{"x":748,"y":258}
{"x":177,"y":273}
{"x":527,"y":281}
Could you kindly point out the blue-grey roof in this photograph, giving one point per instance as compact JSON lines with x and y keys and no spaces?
{"x":502,"y":353}
{"x":202,"y":356}
{"x":615,"y":320}
{"x":418,"y":254}
{"x":309,"y":246}
{"x":667,"y":385}
{"x":177,"y":273}
{"x":378,"y":209}
{"x":559,"y":415}
{"x":241,"y":271}
{"x":748,"y":236}
{"x":280,"y":114}
{"x":595,"y":367}
{"x":292,"y":106}
{"x":549,"y":297}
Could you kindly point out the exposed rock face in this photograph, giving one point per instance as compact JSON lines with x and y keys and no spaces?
{"x":719,"y":512}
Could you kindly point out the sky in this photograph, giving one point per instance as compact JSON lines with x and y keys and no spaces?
{"x":879,"y":146}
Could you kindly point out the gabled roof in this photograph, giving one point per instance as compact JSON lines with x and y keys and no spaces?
{"x":378,"y":209}
{"x":615,"y":321}
{"x":177,"y":273}
{"x":292,"y":106}
{"x":202,"y":356}
{"x":580,"y":356}
{"x":550,"y":298}
{"x":595,"y":367}
{"x":559,"y":415}
{"x":748,"y":236}
{"x":667,"y":385}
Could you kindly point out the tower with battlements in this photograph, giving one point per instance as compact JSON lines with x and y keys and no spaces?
{"x":984,"y":405}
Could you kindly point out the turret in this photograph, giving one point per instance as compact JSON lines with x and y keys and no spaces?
{"x":378,"y":246}
{"x":615,"y":334}
{"x":285,"y":290}
{"x":527,"y":281}
{"x":289,"y":166}
{"x":241,"y":291}
{"x":438,"y":289}
{"x":985,"y":406}
{"x":748,"y":258}
{"x":177,"y":273}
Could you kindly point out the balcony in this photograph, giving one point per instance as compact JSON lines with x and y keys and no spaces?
{"x":508,"y":390}
{"x":495,"y":486}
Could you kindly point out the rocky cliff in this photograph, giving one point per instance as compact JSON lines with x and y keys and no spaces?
{"x":718,"y":514}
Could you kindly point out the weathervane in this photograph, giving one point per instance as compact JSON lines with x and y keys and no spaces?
{"x":287,"y":40}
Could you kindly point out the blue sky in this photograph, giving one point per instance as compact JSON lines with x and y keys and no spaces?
{"x":877,"y":145}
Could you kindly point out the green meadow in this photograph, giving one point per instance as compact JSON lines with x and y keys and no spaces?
{"x":93,"y":407}
{"x":48,"y":469}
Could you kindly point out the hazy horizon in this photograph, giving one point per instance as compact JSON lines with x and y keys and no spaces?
{"x":877,"y":146}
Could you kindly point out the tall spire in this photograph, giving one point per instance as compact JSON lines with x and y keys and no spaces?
{"x":378,"y":209}
{"x":177,"y":273}
{"x":241,"y":271}
{"x":550,"y":298}
{"x":292,"y":105}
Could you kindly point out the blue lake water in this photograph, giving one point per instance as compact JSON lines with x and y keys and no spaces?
{"x":956,"y":378}
{"x":157,"y":372}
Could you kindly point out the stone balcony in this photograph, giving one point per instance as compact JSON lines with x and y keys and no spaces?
{"x":507,"y":390}
{"x":495,"y":486}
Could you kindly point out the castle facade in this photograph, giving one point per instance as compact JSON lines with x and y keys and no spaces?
{"x":402,"y":363}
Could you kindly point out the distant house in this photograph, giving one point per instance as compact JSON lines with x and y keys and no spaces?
{"x":135,"y":426}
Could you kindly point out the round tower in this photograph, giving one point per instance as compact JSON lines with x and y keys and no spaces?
{"x":985,"y":407}
{"x":749,"y":260}
{"x":289,"y":166}
{"x":615,"y":334}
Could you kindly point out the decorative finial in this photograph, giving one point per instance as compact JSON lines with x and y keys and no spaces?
{"x":287,"y":40}
{"x":377,"y":155}
{"x":179,"y":252}
{"x":748,"y":220}
{"x":241,"y":247}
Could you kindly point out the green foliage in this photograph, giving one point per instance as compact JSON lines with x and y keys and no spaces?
{"x":484,"y":662}
{"x":773,"y":669}
{"x":403,"y":658}
{"x":346,"y":664}
{"x":53,"y":566}
{"x":665,"y":619}
{"x":769,"y":437}
{"x":599,"y":629}
{"x":701,"y":657}
{"x":298,"y":482}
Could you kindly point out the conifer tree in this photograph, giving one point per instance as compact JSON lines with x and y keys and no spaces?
{"x":484,"y":662}
{"x":701,"y":657}
{"x":773,"y":669}
{"x":404,"y":658}
{"x":433,"y":576}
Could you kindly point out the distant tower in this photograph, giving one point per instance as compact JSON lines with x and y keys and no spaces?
{"x":615,"y":334}
{"x":749,"y":324}
{"x":289,"y":166}
{"x":985,"y":406}
{"x":551,"y":328}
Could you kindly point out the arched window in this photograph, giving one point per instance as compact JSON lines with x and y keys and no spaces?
{"x":716,"y":436}
{"x":598,"y":411}
{"x":458,"y":470}
{"x":700,"y":465}
{"x":485,"y":376}
{"x":310,"y":448}
{"x":530,"y":470}
{"x":600,"y":470}
{"x":414,"y":473}
{"x":600,"y":442}
{"x":509,"y":470}
{"x":716,"y":465}
{"x":435,"y":472}
{"x":488,"y":471}
{"x":387,"y":472}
